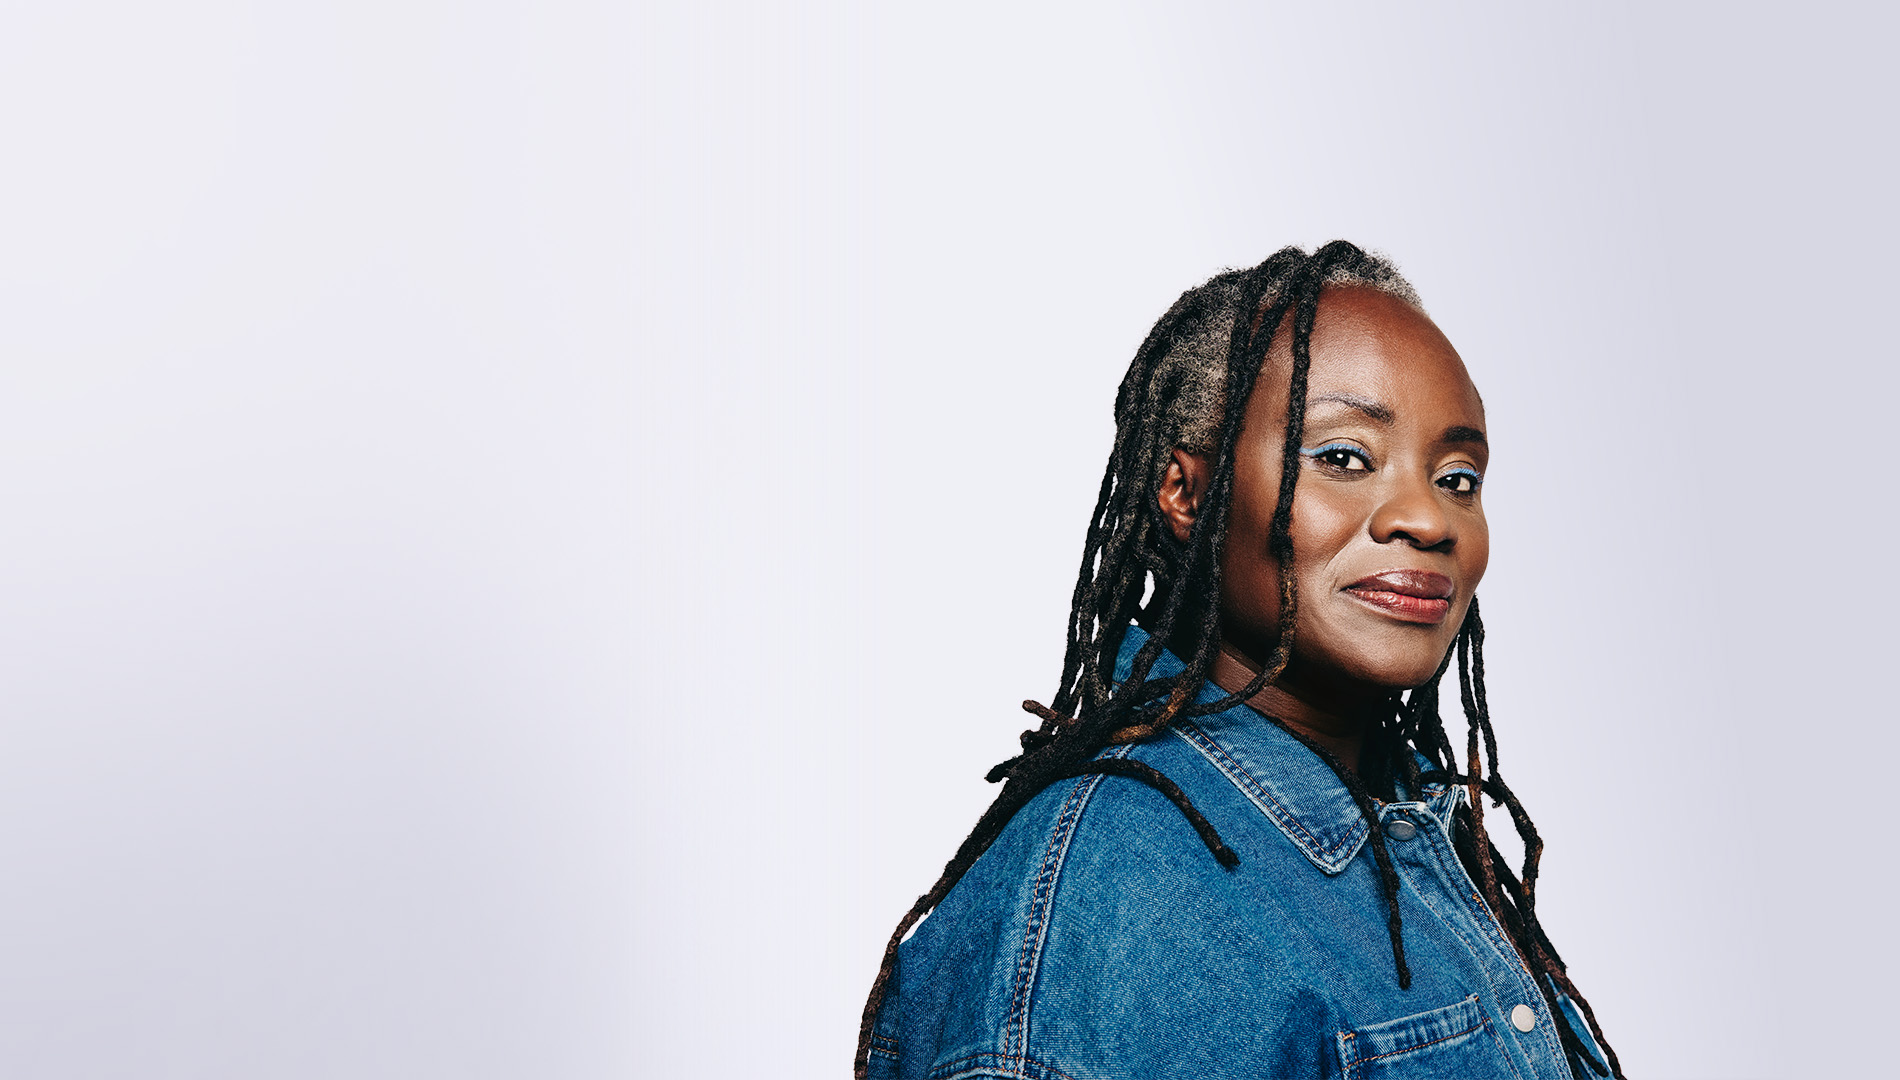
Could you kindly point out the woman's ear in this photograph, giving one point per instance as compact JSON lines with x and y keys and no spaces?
{"x":1182,"y":488}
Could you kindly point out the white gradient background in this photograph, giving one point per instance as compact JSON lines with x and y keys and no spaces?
{"x":525,"y":523}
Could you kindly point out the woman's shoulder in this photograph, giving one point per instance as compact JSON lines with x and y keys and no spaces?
{"x":1098,"y":902}
{"x":1084,"y":842}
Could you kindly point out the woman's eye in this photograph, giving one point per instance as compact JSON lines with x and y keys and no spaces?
{"x":1340,"y":456}
{"x":1460,"y":481}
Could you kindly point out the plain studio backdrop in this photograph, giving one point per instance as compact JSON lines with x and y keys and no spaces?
{"x":525,"y":523}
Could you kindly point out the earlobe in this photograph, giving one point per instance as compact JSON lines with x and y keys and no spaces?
{"x":1182,"y":487}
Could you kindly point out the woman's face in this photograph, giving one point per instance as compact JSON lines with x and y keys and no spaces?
{"x":1389,"y":537}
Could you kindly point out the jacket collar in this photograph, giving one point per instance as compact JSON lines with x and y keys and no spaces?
{"x":1289,"y":783}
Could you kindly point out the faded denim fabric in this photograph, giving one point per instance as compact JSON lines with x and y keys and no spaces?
{"x":1098,"y":938}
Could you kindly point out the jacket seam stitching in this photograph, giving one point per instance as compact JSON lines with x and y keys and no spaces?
{"x":1492,"y":938}
{"x":1015,"y":1067}
{"x":1036,"y":926}
{"x":1356,"y":1062}
{"x":1238,"y":775}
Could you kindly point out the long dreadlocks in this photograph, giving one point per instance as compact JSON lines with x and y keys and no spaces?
{"x":1188,"y":387}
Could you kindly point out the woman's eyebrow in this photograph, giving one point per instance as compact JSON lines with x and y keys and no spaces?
{"x":1371,"y":408}
{"x":1457,"y":433}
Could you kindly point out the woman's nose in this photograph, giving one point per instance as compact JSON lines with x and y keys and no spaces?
{"x":1414,"y":513}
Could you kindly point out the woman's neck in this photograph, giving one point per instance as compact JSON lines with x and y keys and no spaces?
{"x":1339,"y":727}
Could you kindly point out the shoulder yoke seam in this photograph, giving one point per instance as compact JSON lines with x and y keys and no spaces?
{"x":1015,"y":1042}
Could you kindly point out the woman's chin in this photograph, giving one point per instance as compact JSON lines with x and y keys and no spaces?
{"x":1392,"y":674}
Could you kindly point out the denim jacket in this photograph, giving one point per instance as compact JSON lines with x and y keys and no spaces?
{"x":1098,"y":938}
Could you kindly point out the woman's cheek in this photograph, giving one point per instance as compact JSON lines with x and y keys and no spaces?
{"x":1326,"y":525}
{"x":1476,"y":553}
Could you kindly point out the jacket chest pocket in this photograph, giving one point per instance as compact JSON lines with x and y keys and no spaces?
{"x":1452,"y":1043}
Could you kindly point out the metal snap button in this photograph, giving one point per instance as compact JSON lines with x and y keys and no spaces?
{"x":1523,"y":1019}
{"x":1400,"y":829}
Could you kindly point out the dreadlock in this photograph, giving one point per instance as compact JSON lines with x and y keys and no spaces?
{"x":1188,"y":387}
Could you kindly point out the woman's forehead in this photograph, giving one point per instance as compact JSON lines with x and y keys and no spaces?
{"x":1369,"y":347}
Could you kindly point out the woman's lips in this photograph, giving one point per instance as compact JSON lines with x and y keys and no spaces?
{"x":1418,"y":596}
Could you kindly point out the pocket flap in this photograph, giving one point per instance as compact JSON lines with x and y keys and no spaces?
{"x":1449,"y":1042}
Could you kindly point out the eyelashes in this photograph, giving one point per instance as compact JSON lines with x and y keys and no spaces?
{"x":1342,"y":456}
{"x":1345,"y":457}
{"x":1462,"y":481}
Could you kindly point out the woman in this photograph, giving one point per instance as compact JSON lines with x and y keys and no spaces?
{"x":1240,"y":843}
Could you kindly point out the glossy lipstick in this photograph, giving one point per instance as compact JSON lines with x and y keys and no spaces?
{"x":1418,"y":596}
